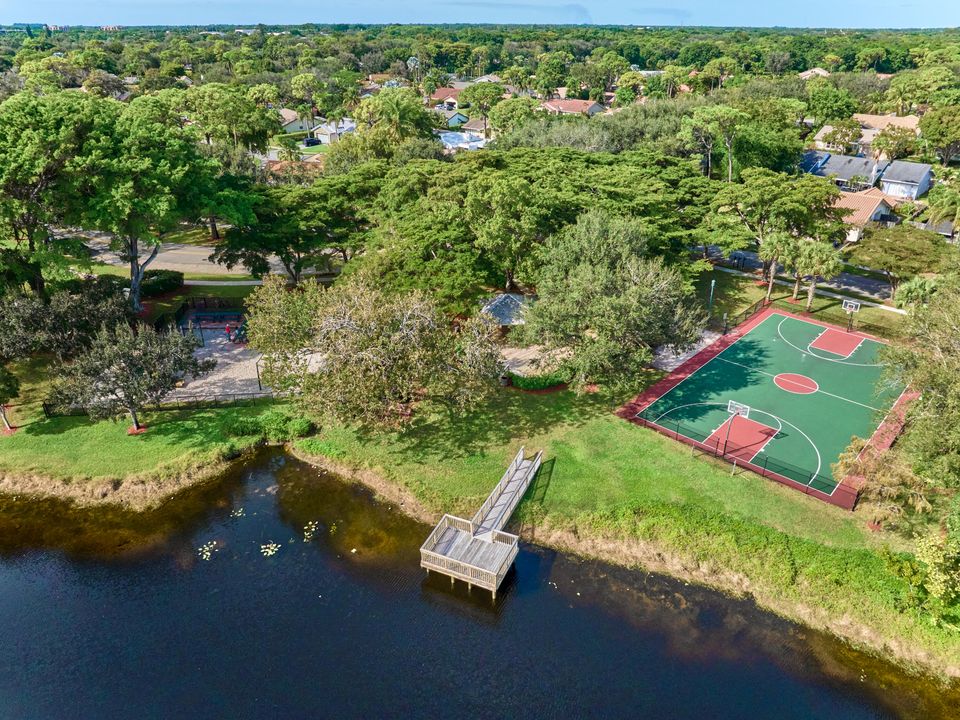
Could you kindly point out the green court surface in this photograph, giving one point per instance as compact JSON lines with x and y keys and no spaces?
{"x":829,"y":389}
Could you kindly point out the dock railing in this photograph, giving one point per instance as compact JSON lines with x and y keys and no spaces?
{"x":446,"y":539}
{"x":498,"y":489}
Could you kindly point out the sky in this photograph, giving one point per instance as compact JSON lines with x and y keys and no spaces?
{"x":753,"y":13}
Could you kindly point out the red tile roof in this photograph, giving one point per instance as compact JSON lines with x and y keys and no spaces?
{"x":571,"y":107}
{"x":445,"y":93}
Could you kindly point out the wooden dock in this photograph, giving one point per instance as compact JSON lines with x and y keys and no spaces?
{"x":477,"y":551}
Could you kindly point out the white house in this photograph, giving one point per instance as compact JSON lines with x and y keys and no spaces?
{"x":291,"y":121}
{"x":329,"y":132}
{"x":904,"y":179}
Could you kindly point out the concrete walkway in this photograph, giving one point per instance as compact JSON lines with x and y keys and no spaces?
{"x":878,"y":290}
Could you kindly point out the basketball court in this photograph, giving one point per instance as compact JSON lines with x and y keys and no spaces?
{"x":782,"y":395}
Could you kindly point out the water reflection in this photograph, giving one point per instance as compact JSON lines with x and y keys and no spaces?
{"x":132,"y":617}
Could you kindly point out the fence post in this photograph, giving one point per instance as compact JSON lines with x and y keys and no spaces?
{"x":724,"y":323}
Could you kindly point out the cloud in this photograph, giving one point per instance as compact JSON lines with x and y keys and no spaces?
{"x":568,"y":13}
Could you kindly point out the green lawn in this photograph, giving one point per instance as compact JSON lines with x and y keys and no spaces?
{"x":78,"y":449}
{"x":595,"y":463}
{"x":122,"y":271}
{"x":189,"y":235}
{"x":314,"y":149}
{"x":605,"y":477}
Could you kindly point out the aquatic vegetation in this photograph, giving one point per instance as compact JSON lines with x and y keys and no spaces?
{"x":206,"y":551}
{"x":269,"y":549}
{"x":310,"y":530}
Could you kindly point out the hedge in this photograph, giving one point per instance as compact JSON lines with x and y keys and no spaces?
{"x":537,"y":382}
{"x":158,"y":282}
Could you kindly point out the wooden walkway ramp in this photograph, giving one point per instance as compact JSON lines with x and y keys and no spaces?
{"x":477,"y":551}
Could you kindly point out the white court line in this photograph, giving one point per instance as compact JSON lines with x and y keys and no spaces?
{"x":780,"y":422}
{"x":761,"y":448}
{"x":820,"y":357}
{"x":825,"y":331}
{"x":838,"y":397}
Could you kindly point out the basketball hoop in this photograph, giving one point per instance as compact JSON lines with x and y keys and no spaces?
{"x":851,"y":306}
{"x":735,"y":408}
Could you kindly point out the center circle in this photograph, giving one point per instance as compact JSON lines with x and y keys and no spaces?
{"x":799,"y":384}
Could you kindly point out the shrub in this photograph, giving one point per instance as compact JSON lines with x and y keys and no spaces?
{"x":158,"y":282}
{"x":538,"y":382}
{"x":275,"y":425}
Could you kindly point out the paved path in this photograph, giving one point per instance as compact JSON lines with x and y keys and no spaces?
{"x":193,"y":259}
{"x":824,"y":293}
{"x":879,"y":290}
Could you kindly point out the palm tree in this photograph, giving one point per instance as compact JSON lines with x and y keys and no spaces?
{"x":775,"y":248}
{"x":945,"y":205}
{"x":818,"y":260}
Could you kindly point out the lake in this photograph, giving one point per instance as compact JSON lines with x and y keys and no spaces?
{"x":185,"y":613}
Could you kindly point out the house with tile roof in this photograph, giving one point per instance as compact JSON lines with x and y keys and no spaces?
{"x":870,"y":127}
{"x":865,"y":207}
{"x":446,"y":97}
{"x":572,"y":107}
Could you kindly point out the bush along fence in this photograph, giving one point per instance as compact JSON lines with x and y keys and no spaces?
{"x":807,"y":480}
{"x":180,"y":402}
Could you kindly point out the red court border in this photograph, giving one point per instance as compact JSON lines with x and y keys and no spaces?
{"x":847,"y":491}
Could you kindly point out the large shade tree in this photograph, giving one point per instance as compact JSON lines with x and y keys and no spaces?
{"x":126,"y":370}
{"x":148,"y":179}
{"x":603,"y":306}
{"x":47,"y":146}
{"x":355,"y":354}
{"x":901,"y":252}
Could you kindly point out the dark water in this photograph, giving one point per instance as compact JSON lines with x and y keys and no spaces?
{"x":102,"y":616}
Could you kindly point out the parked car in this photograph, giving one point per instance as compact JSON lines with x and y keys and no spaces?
{"x":310,"y":142}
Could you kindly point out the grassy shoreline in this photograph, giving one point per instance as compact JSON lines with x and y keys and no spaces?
{"x":794,"y":585}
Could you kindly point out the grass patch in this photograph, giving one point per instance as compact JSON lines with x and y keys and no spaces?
{"x":596,"y":463}
{"x":734,"y":293}
{"x":77,"y":449}
{"x":314,"y":149}
{"x":123,"y":271}
{"x":188,"y":235}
